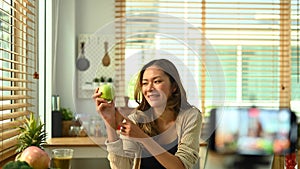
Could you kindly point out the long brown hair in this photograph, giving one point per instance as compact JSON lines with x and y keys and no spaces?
{"x":176,"y":102}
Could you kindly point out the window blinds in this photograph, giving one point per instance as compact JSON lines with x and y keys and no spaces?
{"x":235,"y":52}
{"x":17,"y":58}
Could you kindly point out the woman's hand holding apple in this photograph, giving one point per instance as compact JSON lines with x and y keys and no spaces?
{"x":105,"y":108}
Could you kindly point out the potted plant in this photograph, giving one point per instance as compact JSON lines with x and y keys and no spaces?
{"x":110,"y":80}
{"x":67,"y":120}
{"x":102,"y":80}
{"x":96,"y":82}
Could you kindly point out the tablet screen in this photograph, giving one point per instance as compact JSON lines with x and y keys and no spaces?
{"x":252,"y":130}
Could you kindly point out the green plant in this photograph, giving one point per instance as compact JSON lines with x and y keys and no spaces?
{"x":17,"y":165}
{"x":32,"y":134}
{"x":67,"y":114}
{"x":102,"y":79}
{"x":96,"y":80}
{"x":110,"y":80}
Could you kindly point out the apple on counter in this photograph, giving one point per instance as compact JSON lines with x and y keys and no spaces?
{"x":35,"y":157}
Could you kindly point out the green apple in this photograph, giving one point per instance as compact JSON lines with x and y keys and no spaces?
{"x":107,"y":91}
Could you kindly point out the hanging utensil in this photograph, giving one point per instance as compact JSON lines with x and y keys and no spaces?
{"x":106,"y":59}
{"x":82,"y":63}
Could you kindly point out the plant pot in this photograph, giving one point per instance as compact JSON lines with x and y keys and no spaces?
{"x":66,"y":124}
{"x":96,"y":84}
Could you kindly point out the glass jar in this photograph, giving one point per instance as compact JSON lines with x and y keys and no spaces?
{"x":82,"y":132}
{"x":74,"y":130}
{"x":97,"y":130}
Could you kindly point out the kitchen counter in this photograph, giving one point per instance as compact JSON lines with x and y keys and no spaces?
{"x":94,"y":147}
{"x":76,"y":141}
{"x":84,"y":147}
{"x":89,"y":148}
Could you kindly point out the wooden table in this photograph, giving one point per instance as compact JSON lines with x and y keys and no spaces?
{"x":84,"y":147}
{"x":278,"y":162}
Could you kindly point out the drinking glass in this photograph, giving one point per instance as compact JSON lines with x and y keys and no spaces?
{"x":61,"y":158}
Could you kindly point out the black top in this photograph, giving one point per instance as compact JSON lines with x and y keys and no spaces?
{"x":150,"y":162}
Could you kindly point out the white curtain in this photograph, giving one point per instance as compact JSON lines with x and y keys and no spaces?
{"x":56,"y":8}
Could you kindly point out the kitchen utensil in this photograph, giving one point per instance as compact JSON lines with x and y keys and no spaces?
{"x":106,"y":59}
{"x":82,"y":63}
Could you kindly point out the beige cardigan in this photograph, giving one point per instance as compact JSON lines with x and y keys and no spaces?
{"x":188,"y":127}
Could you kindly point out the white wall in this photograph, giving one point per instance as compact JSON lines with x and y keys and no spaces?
{"x":76,"y":17}
{"x":64,"y":63}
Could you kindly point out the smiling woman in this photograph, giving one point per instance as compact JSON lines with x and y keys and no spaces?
{"x":154,"y":78}
{"x":164,"y":129}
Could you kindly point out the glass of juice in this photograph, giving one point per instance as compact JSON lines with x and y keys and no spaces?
{"x":61,"y":158}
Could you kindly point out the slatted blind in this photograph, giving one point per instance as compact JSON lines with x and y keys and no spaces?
{"x":149,"y":31}
{"x":235,"y":52}
{"x":18,"y":63}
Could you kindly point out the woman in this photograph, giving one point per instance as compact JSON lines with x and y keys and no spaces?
{"x":163,"y":131}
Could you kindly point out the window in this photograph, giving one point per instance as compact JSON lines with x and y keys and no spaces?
{"x":295,"y":53}
{"x":17,"y":72}
{"x":237,"y":53}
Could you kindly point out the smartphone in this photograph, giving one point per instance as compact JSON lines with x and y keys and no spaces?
{"x":252,"y":131}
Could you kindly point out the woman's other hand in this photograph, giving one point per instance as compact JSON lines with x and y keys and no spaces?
{"x":129,"y":129}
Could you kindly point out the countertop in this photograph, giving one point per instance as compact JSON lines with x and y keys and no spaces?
{"x":84,"y":147}
{"x":82,"y":141}
{"x":76,"y":141}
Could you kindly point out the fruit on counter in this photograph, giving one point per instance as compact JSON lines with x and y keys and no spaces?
{"x":107,"y":91}
{"x":31,"y":139}
{"x":35,"y":157}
